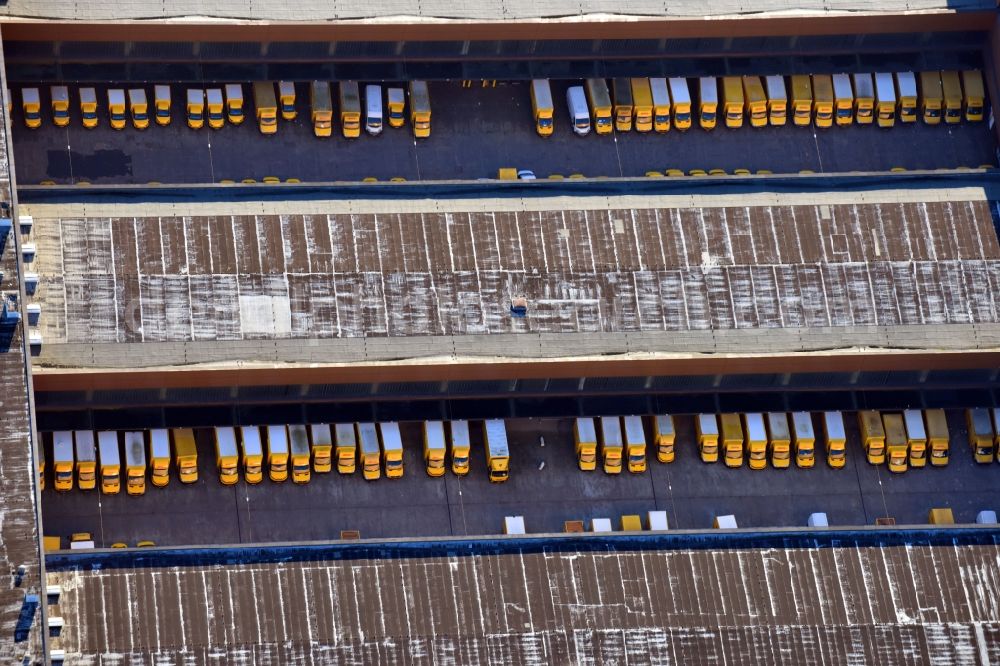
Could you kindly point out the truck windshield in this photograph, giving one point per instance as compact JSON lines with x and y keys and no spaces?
{"x":162,"y":113}
{"x":194,"y":115}
{"x":708,"y":116}
{"x":709,"y":448}
{"x":255,"y":469}
{"x":939,"y":453}
{"x":236,"y":111}
{"x":393,"y":463}
{"x":683,"y":116}
{"x":636,"y":458}
{"x":68,"y":474}
{"x":757,"y":455}
{"x":279,"y":467}
{"x":588,"y":457}
{"x":734,"y":453}
{"x":159,"y":471}
{"x":111,"y":478}
{"x":984,"y":451}
{"x":461,"y":460}
{"x":301,"y":468}
{"x":435,"y":463}
{"x":545,"y":122}
{"x":60,"y":113}
{"x":781,"y":454}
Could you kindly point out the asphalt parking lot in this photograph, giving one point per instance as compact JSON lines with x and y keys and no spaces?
{"x":691,"y":492}
{"x":475,"y":131}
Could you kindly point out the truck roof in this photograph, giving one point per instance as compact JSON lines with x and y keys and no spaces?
{"x":214,"y":96}
{"x":116,"y":96}
{"x":345,"y":434}
{"x":420,"y":98}
{"x":914,"y":420}
{"x":895,"y":431}
{"x":664,"y":424}
{"x":225,"y":437}
{"x":906,"y":84}
{"x":621,"y":89}
{"x":195,"y":96}
{"x":373,"y":100}
{"x":611,"y":430}
{"x":802,"y":425}
{"x":495,"y":431}
{"x":319,"y":96}
{"x":368,"y":437}
{"x":263,"y":95}
{"x":972,"y":81}
{"x":708,"y":89}
{"x":252,"y":446}
{"x":137,"y":96}
{"x":286,"y":88}
{"x":634,"y":432}
{"x":319,"y":434}
{"x":391,"y":441}
{"x":777,"y":426}
{"x":395,"y":95}
{"x":107,"y":447}
{"x":679,"y":91}
{"x":863,"y":86}
{"x":434,"y":434}
{"x":459,"y":431}
{"x":30,"y":95}
{"x":159,"y":443}
{"x":822,"y":87}
{"x":86,"y":450}
{"x":88,"y":95}
{"x":576,"y":100}
{"x":60,"y":94}
{"x":980,"y":419}
{"x":775,"y":85}
{"x":234,"y":91}
{"x":161,"y":92}
{"x":135,"y":449}
{"x":277,"y":439}
{"x":299,"y":438}
{"x":350,"y":97}
{"x":586,"y":430}
{"x":597,"y":91}
{"x":842,"y":86}
{"x":62,"y":445}
{"x":885,"y":90}
{"x":708,"y":424}
{"x":755,"y":427}
{"x":642,"y":94}
{"x":543,"y":93}
{"x":660,"y":91}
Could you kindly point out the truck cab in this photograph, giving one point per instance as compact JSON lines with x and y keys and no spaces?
{"x":732,"y":439}
{"x":836,"y":439}
{"x":396,"y":98}
{"x":779,"y":439}
{"x":138,"y":108}
{"x":392,"y":449}
{"x":497,"y":452}
{"x":321,"y":103}
{"x":585,"y":443}
{"x":461,"y":445}
{"x":369,"y":451}
{"x":420,"y":109}
{"x":216,"y":108}
{"x":116,"y":108}
{"x":31,"y":106}
{"x":680,"y":100}
{"x":265,"y":106}
{"x":635,"y":443}
{"x":63,"y":462}
{"x":235,"y":105}
{"x":642,"y":98}
{"x":707,"y":431}
{"x":286,"y":96}
{"x":110,"y":461}
{"x":321,"y":443}
{"x":252,"y":450}
{"x":660,"y":91}
{"x":347,"y":447}
{"x":135,"y":463}
{"x":159,"y":457}
{"x":435,"y":448}
{"x":777,"y":100}
{"x":373,"y":109}
{"x":276,"y":437}
{"x":227,"y":455}
{"x":195,"y":108}
{"x":298,"y":437}
{"x":161,"y":104}
{"x":599,"y":100}
{"x":872,"y":436}
{"x":980,"y":429}
{"x":611,"y":444}
{"x":664,"y":437}
{"x":938,"y":438}
{"x":88,"y":107}
{"x":864,"y":98}
{"x":60,"y":105}
{"x":86,"y":459}
{"x":185,"y":454}
{"x":541,"y":106}
{"x":895,"y":442}
{"x":733,"y":101}
{"x":754,"y":440}
{"x":916,"y":437}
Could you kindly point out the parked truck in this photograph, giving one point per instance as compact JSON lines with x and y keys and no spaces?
{"x":86,"y":459}
{"x":663,"y":436}
{"x":234,"y":103}
{"x":707,"y":431}
{"x":541,"y":106}
{"x":321,"y":443}
{"x":836,"y":439}
{"x":461,"y":445}
{"x":63,"y":462}
{"x":660,"y":91}
{"x":298,"y":436}
{"x":872,"y":436}
{"x":276,"y":437}
{"x":60,"y":105}
{"x":31,"y":106}
{"x":116,"y":108}
{"x":185,"y":454}
{"x":497,"y":452}
{"x":895,"y":441}
{"x":980,"y":429}
{"x":368,"y":450}
{"x":350,"y":109}
{"x":732,"y":439}
{"x":138,"y":108}
{"x":938,"y":438}
{"x":916,"y":437}
{"x":435,"y":448}
{"x":321,"y":103}
{"x":420,"y":109}
{"x":227,"y":455}
{"x":88,"y":107}
{"x":161,"y":102}
{"x":347,"y":447}
{"x":216,"y":107}
{"x":252,"y":454}
{"x":642,"y":98}
{"x":392,"y":449}
{"x":286,"y":96}
{"x":396,"y":103}
{"x":585,"y":441}
{"x":135,"y":463}
{"x":779,"y":439}
{"x":196,"y":108}
{"x":159,"y":457}
{"x":680,"y":102}
{"x":265,"y":106}
{"x":110,"y":459}
{"x":635,"y":443}
{"x":611,"y":444}
{"x":754,"y":440}
{"x":599,"y":100}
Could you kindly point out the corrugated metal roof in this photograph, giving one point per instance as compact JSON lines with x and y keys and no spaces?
{"x":836,"y":605}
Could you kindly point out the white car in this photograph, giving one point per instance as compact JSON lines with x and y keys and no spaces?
{"x":525,"y":174}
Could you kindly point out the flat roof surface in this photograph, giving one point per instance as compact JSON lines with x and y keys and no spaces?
{"x":868,"y":604}
{"x":503,"y":10}
{"x":125,"y":287}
